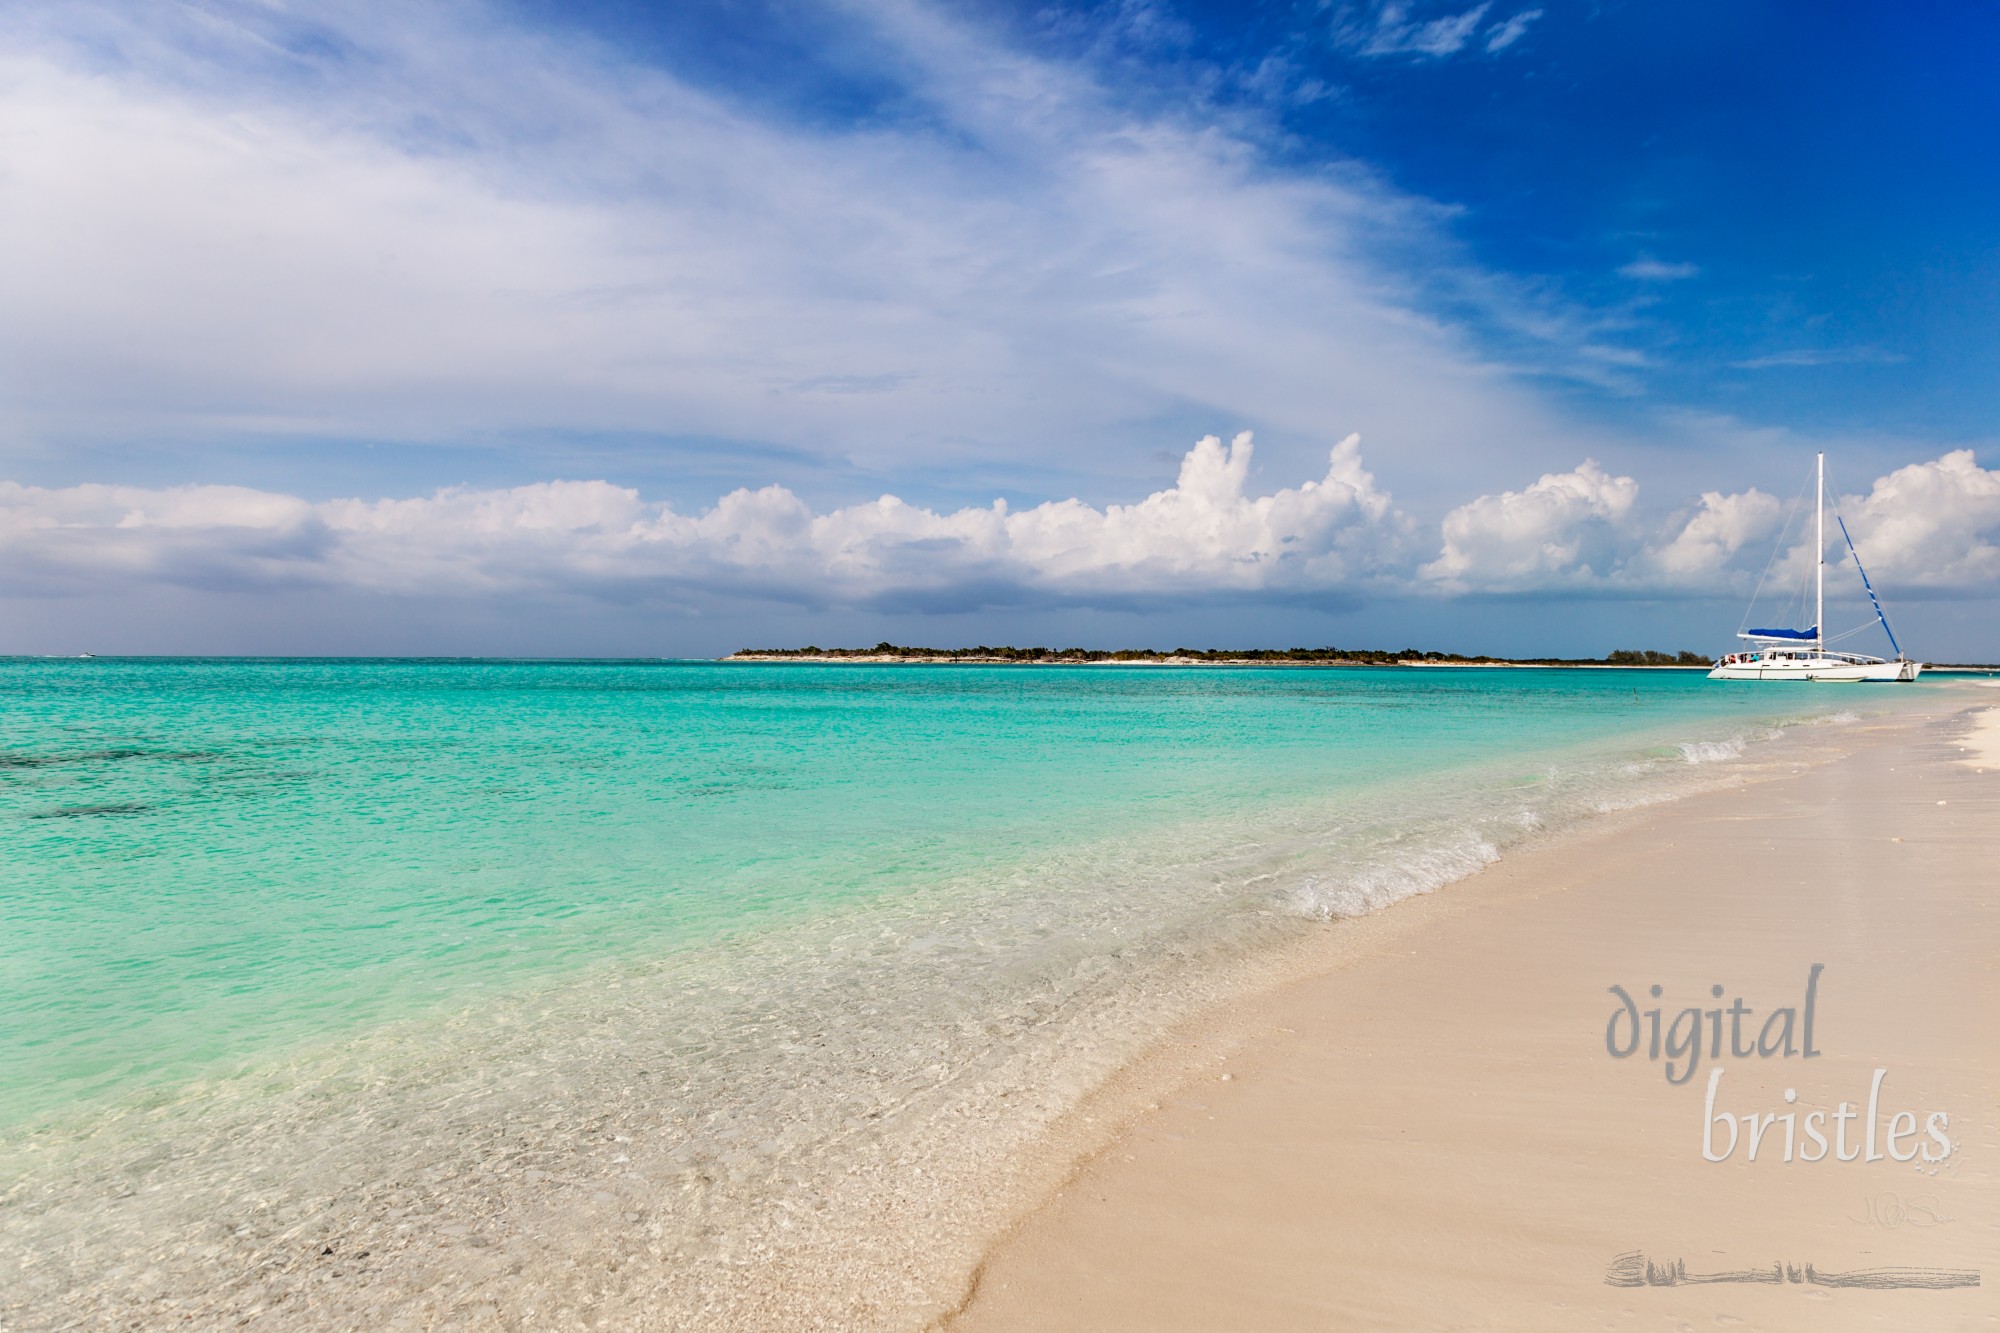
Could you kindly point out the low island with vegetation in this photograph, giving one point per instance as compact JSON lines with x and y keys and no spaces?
{"x":1407,"y":657}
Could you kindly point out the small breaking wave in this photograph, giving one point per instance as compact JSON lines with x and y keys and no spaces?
{"x":1711,"y":752}
{"x":1384,"y":883}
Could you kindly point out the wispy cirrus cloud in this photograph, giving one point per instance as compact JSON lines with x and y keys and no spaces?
{"x":1648,"y":269}
{"x":1396,"y":28}
{"x":1503,"y":35}
{"x":368,"y":222}
{"x":1822,"y":356}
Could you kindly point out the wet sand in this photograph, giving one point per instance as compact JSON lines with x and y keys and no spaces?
{"x":1434,"y":1135}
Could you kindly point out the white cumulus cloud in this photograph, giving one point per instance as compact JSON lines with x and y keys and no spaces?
{"x":1712,"y":539}
{"x":1214,"y":536}
{"x":1930,"y":525}
{"x":1207,"y":534}
{"x":1564,"y":530}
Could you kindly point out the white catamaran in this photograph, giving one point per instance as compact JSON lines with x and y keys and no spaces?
{"x":1802,"y":654}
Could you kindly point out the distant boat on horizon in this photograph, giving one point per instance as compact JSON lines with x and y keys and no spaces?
{"x":1802,"y":654}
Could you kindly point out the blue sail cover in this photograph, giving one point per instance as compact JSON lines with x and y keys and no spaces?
{"x":1808,"y":634}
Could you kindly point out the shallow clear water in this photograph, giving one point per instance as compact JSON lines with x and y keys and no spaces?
{"x":207,"y":859}
{"x":685,"y":994}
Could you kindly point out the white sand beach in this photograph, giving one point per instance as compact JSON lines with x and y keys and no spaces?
{"x":1432,"y":1134}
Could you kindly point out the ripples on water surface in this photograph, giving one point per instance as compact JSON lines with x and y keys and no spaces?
{"x":496,"y":969}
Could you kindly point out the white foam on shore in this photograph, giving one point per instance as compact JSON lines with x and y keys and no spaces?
{"x":1711,"y":752}
{"x":1612,"y":805}
{"x":1369,"y":888}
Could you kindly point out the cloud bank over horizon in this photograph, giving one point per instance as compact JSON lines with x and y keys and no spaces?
{"x":1931,"y":527}
{"x":830,"y":313}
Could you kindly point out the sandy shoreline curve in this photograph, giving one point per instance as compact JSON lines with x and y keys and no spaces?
{"x":1432,"y":1133}
{"x":1980,"y":747}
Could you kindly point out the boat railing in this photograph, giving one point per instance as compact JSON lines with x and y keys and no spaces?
{"x":1799,"y":654}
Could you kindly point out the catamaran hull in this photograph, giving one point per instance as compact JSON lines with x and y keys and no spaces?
{"x":1829,"y":672}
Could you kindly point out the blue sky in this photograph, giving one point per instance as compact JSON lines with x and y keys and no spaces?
{"x":313,"y":306}
{"x":1734,"y":191}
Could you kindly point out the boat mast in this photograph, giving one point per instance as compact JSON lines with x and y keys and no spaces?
{"x":1819,"y":561}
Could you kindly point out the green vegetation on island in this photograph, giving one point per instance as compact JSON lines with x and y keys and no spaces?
{"x":890,"y":652}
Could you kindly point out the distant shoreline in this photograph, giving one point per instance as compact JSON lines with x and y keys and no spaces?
{"x":872,"y":659}
{"x":866,"y":657}
{"x":885,"y":654}
{"x":897,"y":655}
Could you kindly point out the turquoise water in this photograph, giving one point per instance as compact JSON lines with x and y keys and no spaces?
{"x":210,"y":861}
{"x":645,"y":994}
